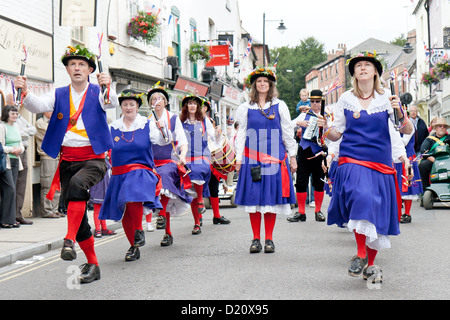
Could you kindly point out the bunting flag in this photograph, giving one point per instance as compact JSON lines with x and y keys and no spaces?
{"x":405,"y":73}
{"x":334,"y":86}
{"x":248,"y":49}
{"x":276,"y":61}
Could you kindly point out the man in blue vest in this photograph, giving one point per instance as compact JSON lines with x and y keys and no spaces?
{"x":78,"y":131}
{"x":309,"y":159}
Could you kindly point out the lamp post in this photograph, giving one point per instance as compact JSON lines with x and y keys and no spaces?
{"x":280,"y":28}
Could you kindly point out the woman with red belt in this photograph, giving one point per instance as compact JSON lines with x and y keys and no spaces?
{"x":265,"y":153}
{"x":134,"y":182}
{"x":197,"y":130}
{"x":365,"y":197}
{"x":170,"y":160}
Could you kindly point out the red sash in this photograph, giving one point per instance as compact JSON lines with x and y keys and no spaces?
{"x":185,"y":181}
{"x":116,"y":171}
{"x":71,"y":154}
{"x":380,"y":168}
{"x":265,"y":158}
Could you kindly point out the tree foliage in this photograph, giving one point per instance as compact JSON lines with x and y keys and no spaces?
{"x":300,"y":59}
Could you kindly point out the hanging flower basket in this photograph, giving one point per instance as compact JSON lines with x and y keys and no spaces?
{"x":440,"y":72}
{"x":430,"y":78}
{"x":199,"y":51}
{"x":143,"y":27}
{"x":442,"y":69}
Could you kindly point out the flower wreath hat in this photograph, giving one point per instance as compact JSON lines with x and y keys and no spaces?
{"x":192,"y":96}
{"x":157,"y":88}
{"x":260,"y":72}
{"x":131,"y":94}
{"x":79,"y":52}
{"x":366,"y":56}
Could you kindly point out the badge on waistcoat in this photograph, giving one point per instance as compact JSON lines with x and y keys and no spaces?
{"x":356,"y":114}
{"x":116,"y":139}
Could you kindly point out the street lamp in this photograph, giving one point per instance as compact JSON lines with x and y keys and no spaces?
{"x":280,"y":28}
{"x":408,"y":48}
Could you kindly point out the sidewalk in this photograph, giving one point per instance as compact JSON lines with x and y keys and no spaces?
{"x":43,"y":235}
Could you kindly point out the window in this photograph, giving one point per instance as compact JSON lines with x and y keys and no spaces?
{"x":193,"y":35}
{"x":77,"y":35}
{"x":176,"y":32}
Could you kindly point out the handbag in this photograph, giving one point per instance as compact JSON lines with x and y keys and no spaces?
{"x":256,"y":173}
{"x":2,"y":160}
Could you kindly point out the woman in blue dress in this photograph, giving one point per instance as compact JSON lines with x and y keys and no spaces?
{"x":265,"y":156}
{"x":197,"y":129}
{"x":365,"y":194}
{"x":134,"y":182}
{"x":409,"y":188}
{"x":170,"y":160}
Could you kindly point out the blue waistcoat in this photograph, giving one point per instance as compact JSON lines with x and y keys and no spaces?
{"x":94,"y":118}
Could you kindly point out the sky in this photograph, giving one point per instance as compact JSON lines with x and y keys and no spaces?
{"x":330,"y":21}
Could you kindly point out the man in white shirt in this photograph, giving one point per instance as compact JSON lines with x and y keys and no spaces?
{"x":79,"y":131}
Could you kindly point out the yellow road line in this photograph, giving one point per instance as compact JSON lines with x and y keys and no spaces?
{"x":26,"y":269}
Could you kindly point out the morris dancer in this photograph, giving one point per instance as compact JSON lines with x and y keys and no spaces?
{"x":365,"y":196}
{"x":410,"y":187}
{"x":216,"y":176}
{"x":310,"y":160}
{"x":197,"y":130}
{"x":78,"y":129}
{"x":170,"y":160}
{"x":265,"y":150}
{"x":134,"y":182}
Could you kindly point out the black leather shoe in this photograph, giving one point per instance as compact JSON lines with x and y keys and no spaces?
{"x":405,"y":218}
{"x":221,"y":220}
{"x":139,"y":238}
{"x":68,"y":252}
{"x":256,"y":246}
{"x":297,"y":217}
{"x":269,"y":247}
{"x":132,"y":254}
{"x":320,"y":216}
{"x":196,"y":229}
{"x":356,"y":266}
{"x":373,"y":273}
{"x":89,"y":273}
{"x":160,"y":222}
{"x":167,"y":240}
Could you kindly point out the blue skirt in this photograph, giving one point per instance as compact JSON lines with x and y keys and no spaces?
{"x":360,"y":193}
{"x":416,"y":184}
{"x":268,"y":191}
{"x":134,"y":186}
{"x":171,"y":181}
{"x":331,"y":174}
{"x":200,"y":170}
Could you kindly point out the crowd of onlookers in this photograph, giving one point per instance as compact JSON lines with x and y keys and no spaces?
{"x":15,"y":138}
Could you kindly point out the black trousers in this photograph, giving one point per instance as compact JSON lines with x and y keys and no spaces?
{"x":425,"y":170}
{"x":306,"y":167}
{"x":213,"y":186}
{"x":77,"y":178}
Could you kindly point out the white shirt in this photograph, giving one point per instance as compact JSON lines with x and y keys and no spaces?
{"x":46,"y":103}
{"x":179,"y":135}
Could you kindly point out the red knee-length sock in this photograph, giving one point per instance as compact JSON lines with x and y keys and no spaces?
{"x":255,"y":221}
{"x":269,"y":224}
{"x":75,"y":214}
{"x":168,"y":231}
{"x":301,"y":199}
{"x":199,"y":191}
{"x":99,"y":224}
{"x":195,"y":214}
{"x":361,"y":244}
{"x":88,"y":248}
{"x":408,"y":204}
{"x":148,"y":217}
{"x":215,"y":206}
{"x":318,"y":199}
{"x":132,"y":219}
{"x":371,"y":254}
{"x":164,"y":200}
